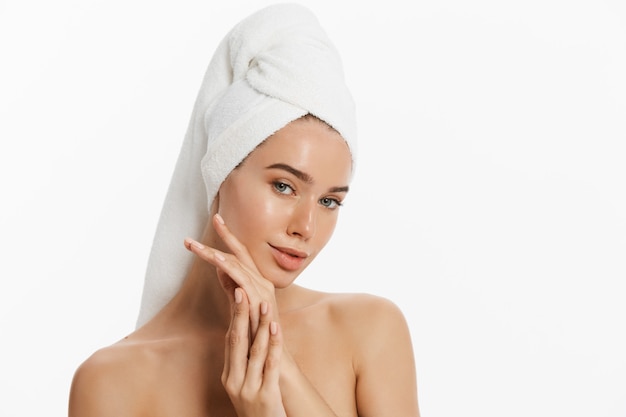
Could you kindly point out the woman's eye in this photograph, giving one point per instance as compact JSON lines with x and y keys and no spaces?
{"x":330,"y":203}
{"x":283,"y":188}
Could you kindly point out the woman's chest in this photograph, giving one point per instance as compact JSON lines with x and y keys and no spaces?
{"x":190,"y":383}
{"x":325,"y":355}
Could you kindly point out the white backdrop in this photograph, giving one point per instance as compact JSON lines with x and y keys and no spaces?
{"x":489,"y":201}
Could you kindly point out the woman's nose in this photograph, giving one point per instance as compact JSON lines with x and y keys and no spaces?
{"x":302,"y":222}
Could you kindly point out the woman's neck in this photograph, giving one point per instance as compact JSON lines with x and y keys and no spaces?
{"x":201,"y":300}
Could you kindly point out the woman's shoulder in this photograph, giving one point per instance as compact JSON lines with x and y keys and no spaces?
{"x":359,"y":311}
{"x":113,"y":358}
{"x":362,"y":305}
{"x":110,"y":376}
{"x":368,"y":323}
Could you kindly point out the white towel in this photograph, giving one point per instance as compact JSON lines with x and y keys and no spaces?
{"x":271,"y":68}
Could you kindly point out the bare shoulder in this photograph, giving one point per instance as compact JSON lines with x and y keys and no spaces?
{"x":107,"y":382}
{"x":378,"y":335}
{"x":360,"y":316}
{"x":367,"y":309}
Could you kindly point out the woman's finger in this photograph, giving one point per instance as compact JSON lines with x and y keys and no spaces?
{"x":237,"y":344}
{"x":240,"y":252}
{"x":230,"y":287}
{"x":258,"y":351}
{"x":258,"y":393}
{"x":229,"y":263}
{"x":229,"y":268}
{"x":227,"y":284}
{"x":271,"y":371}
{"x":231,"y":241}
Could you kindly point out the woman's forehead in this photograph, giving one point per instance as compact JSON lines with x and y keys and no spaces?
{"x":306,"y":145}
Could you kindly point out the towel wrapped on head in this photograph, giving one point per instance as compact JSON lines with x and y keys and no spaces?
{"x":273,"y":67}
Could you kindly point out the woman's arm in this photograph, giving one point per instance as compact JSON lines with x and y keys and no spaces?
{"x":99,"y":388}
{"x":85,"y":399}
{"x":385,"y":365}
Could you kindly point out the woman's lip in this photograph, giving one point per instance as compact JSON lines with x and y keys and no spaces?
{"x":291,"y":251}
{"x":288,"y":258}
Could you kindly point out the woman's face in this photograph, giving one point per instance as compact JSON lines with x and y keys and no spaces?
{"x":282,"y":203}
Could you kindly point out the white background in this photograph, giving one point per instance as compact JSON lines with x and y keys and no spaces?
{"x":489,"y":201}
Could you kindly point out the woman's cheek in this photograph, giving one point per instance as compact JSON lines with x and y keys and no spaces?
{"x":270,"y":210}
{"x":260,"y":213}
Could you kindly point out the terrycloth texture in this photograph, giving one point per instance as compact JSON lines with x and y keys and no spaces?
{"x":272,"y":68}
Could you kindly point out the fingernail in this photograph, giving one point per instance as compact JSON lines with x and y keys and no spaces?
{"x":238,"y":296}
{"x":263,"y":307}
{"x":219,"y":218}
{"x":196,"y":244}
{"x":273,"y":327}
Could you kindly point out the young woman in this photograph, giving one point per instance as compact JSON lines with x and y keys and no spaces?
{"x":223,"y":330}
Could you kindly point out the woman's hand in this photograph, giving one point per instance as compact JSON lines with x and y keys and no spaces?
{"x":237,"y":269}
{"x":253,"y":384}
{"x":251,"y":374}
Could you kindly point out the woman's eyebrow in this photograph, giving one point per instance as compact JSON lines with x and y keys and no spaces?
{"x":303,"y":176}
{"x":343,"y":189}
